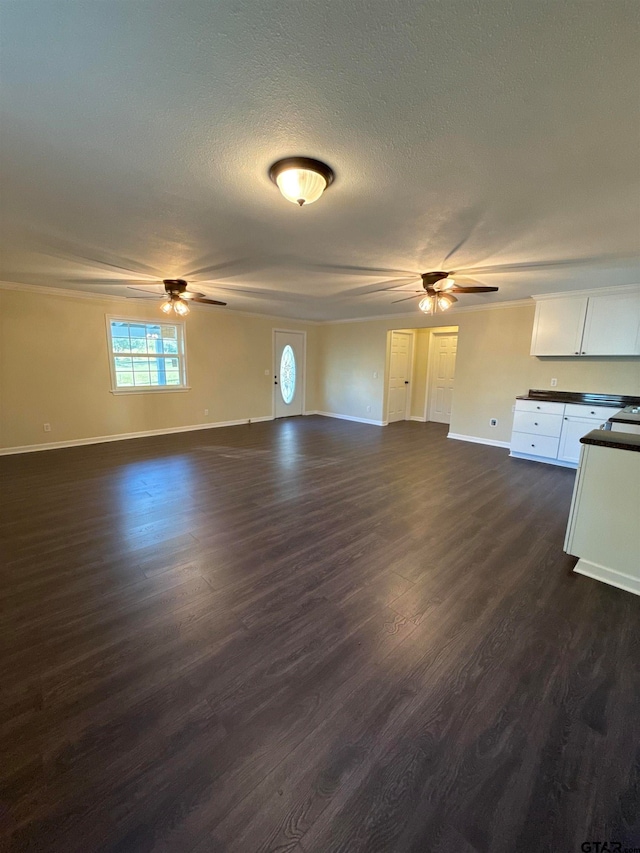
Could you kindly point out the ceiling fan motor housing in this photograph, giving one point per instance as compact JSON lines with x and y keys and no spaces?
{"x":175,"y":286}
{"x":431,"y":278}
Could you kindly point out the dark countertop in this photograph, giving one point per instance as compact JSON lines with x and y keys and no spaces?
{"x":618,"y":440}
{"x":580,"y":398}
{"x":625,"y":418}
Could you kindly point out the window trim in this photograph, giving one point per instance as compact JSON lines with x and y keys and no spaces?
{"x":149,"y":389}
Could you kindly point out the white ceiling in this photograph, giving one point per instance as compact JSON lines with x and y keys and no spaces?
{"x":136,"y":139}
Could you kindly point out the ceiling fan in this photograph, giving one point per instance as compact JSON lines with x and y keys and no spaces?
{"x":440,"y":288}
{"x":177,"y":296}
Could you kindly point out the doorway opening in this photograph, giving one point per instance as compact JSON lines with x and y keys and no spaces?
{"x":421,"y":374}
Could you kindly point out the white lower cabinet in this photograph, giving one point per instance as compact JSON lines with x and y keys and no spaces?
{"x":551,"y":432}
{"x":572,"y":431}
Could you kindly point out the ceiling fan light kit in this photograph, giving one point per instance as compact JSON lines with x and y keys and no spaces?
{"x":301,"y":180}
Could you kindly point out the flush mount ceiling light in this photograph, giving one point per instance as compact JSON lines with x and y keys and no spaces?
{"x":301,"y":180}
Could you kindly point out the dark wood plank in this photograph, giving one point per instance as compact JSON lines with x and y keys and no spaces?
{"x":309,"y":636}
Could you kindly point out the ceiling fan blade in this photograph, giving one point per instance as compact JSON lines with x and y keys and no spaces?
{"x":207,"y":301}
{"x":471,"y":290}
{"x":148,"y":298}
{"x":192,"y":294}
{"x":406,"y":298}
{"x":142,"y":290}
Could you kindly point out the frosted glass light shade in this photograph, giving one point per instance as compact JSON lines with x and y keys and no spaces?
{"x":301,"y":186}
{"x":167,"y":307}
{"x":181,"y":308}
{"x":301,"y":180}
{"x":427,"y":304}
{"x":446,"y":301}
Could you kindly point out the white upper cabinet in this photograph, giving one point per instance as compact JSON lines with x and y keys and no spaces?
{"x":612,"y":326}
{"x":602,"y":324}
{"x":558,"y":326}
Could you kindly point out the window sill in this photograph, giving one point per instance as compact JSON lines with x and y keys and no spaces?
{"x":159,"y":390}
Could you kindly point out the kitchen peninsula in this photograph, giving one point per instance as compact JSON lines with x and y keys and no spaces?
{"x":604,"y":521}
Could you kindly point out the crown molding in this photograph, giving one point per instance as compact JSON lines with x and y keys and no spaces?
{"x":594,"y":291}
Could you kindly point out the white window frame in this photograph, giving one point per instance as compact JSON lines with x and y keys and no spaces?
{"x":148,"y":389}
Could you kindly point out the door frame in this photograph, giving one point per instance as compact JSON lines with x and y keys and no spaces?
{"x":274,"y":368}
{"x":435,"y":333}
{"x":407,"y":407}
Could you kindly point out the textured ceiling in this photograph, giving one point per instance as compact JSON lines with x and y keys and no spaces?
{"x":136,"y":139}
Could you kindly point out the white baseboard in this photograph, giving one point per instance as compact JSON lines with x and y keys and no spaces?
{"x":418,"y":418}
{"x":351,"y":418}
{"x":613,"y":578}
{"x":476,"y":440}
{"x":125,"y":436}
{"x":557,"y":462}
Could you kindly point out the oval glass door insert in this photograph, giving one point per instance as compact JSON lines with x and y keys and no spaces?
{"x":287,"y":374}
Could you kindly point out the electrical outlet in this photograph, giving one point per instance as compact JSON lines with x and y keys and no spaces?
{"x":46,"y":427}
{"x":493,"y":422}
{"x":375,"y":374}
{"x":267,"y":373}
{"x":206,"y":412}
{"x":368,"y":408}
{"x":554,"y":382}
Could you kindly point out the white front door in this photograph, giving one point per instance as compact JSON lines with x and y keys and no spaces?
{"x":443,"y":371}
{"x":288,"y":373}
{"x":399,"y":375}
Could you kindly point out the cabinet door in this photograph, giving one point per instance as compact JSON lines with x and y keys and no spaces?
{"x":572,"y":431}
{"x":613,"y":325}
{"x":558,"y":326}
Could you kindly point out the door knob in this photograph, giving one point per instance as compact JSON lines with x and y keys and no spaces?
{"x":406,"y":381}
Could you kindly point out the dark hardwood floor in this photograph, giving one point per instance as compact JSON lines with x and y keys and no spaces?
{"x":309,"y":636}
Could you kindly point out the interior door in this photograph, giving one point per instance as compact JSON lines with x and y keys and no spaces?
{"x":288,"y":373}
{"x":443,"y":372}
{"x":399,"y":375}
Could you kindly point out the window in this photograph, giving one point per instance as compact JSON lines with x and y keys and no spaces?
{"x":287,"y":374}
{"x":146,"y":356}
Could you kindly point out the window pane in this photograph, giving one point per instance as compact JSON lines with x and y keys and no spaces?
{"x":141,"y":379}
{"x":123,"y":363}
{"x":138,"y":345}
{"x":123,"y":379}
{"x":173,"y":377}
{"x":170,"y":346}
{"x":137,"y":331}
{"x":169,"y":332}
{"x":119,"y":330}
{"x":121,"y":345}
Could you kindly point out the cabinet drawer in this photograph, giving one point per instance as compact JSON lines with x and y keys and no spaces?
{"x":600,"y":413}
{"x":539,"y":424}
{"x":540,"y":406}
{"x":535,"y":445}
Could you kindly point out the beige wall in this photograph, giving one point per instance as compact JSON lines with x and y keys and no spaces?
{"x":493,"y":367}
{"x":54,"y":369}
